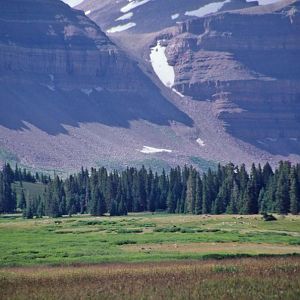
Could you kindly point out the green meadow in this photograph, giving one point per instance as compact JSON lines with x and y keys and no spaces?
{"x":143,"y":238}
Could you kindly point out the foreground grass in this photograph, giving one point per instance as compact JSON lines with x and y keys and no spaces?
{"x":247,"y":278}
{"x":142,"y":238}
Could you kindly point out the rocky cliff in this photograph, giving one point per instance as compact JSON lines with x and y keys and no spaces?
{"x":247,"y":63}
{"x":58,"y":73}
{"x":48,"y":41}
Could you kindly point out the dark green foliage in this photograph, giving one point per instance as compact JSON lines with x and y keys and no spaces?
{"x":267,"y":217}
{"x":294,"y":192}
{"x":228,"y":189}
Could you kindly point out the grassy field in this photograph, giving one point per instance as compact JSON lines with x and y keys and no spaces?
{"x":142,"y":238}
{"x":246,"y":278}
{"x":150,"y":256}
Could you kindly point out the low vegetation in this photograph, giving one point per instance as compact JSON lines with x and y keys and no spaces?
{"x":143,"y":237}
{"x":247,"y":278}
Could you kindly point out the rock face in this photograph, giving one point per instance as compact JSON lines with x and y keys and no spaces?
{"x":70,"y":97}
{"x":59,"y":71}
{"x":148,"y":16}
{"x":247,"y":63}
{"x":50,"y":53}
{"x":49,"y":41}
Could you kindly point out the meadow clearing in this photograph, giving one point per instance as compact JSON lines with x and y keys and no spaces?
{"x":150,"y":256}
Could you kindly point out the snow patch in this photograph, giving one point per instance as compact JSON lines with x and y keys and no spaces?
{"x":51,"y":87}
{"x":160,"y":65}
{"x":178,"y":93}
{"x":87,"y":91}
{"x":127,"y":16}
{"x":73,"y":3}
{"x":294,"y":139}
{"x":206,"y":9}
{"x":175,"y":16}
{"x":87,"y":12}
{"x":133,"y":4}
{"x":264,"y":2}
{"x":99,"y":89}
{"x":271,"y":139}
{"x":120,"y":28}
{"x":200,"y":142}
{"x":151,"y":150}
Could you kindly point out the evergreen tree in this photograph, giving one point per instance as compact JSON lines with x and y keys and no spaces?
{"x":113,"y":209}
{"x":22,"y":201}
{"x":191,"y":192}
{"x":282,"y":194}
{"x":294,"y":193}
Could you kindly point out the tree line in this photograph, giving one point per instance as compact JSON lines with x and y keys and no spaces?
{"x":228,"y":189}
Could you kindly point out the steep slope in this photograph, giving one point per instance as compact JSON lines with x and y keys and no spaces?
{"x":60,"y":72}
{"x":144,"y":16}
{"x":70,"y":97}
{"x":247,"y":63}
{"x":243,"y":62}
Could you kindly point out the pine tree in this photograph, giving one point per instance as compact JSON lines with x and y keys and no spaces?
{"x":282,"y":194}
{"x":113,"y":208}
{"x":22,"y":201}
{"x":294,"y":193}
{"x":198,"y":204}
{"x":191,"y":192}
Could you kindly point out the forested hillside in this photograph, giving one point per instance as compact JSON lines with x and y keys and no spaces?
{"x":228,"y":189}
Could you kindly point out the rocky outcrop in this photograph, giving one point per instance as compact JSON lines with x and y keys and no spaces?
{"x":247,"y":63}
{"x":151,"y":15}
{"x":48,"y":41}
{"x":58,"y":73}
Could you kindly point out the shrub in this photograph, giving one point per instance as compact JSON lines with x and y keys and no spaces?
{"x":267,"y":217}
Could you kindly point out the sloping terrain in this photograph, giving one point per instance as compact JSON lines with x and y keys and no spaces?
{"x":60,"y":71}
{"x":244,"y":62}
{"x":247,"y":63}
{"x":70,"y":97}
{"x":145,"y":16}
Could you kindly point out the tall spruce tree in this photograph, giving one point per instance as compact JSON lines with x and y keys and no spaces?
{"x":294,"y":193}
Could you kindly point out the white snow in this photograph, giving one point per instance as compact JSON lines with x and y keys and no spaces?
{"x":99,"y":88}
{"x":264,"y":2}
{"x":87,"y":91}
{"x":178,"y":93}
{"x":73,"y":2}
{"x":175,"y":16}
{"x":206,"y":9}
{"x":294,"y":139}
{"x":87,"y":12}
{"x":133,"y":4}
{"x":271,"y":139}
{"x":120,"y":28}
{"x":160,"y":65}
{"x":151,"y":150}
{"x":200,"y":142}
{"x":127,"y":16}
{"x":51,"y":87}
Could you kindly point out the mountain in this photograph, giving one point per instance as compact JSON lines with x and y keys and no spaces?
{"x":145,"y":16}
{"x":72,"y":95}
{"x":241,"y":57}
{"x":247,"y":63}
{"x":68,"y":94}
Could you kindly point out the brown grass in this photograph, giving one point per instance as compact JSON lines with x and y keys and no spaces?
{"x":229,"y":248}
{"x":251,"y":278}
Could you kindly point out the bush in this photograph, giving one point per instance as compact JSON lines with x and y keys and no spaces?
{"x":167,"y":229}
{"x":267,"y":217}
{"x":125,"y":242}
